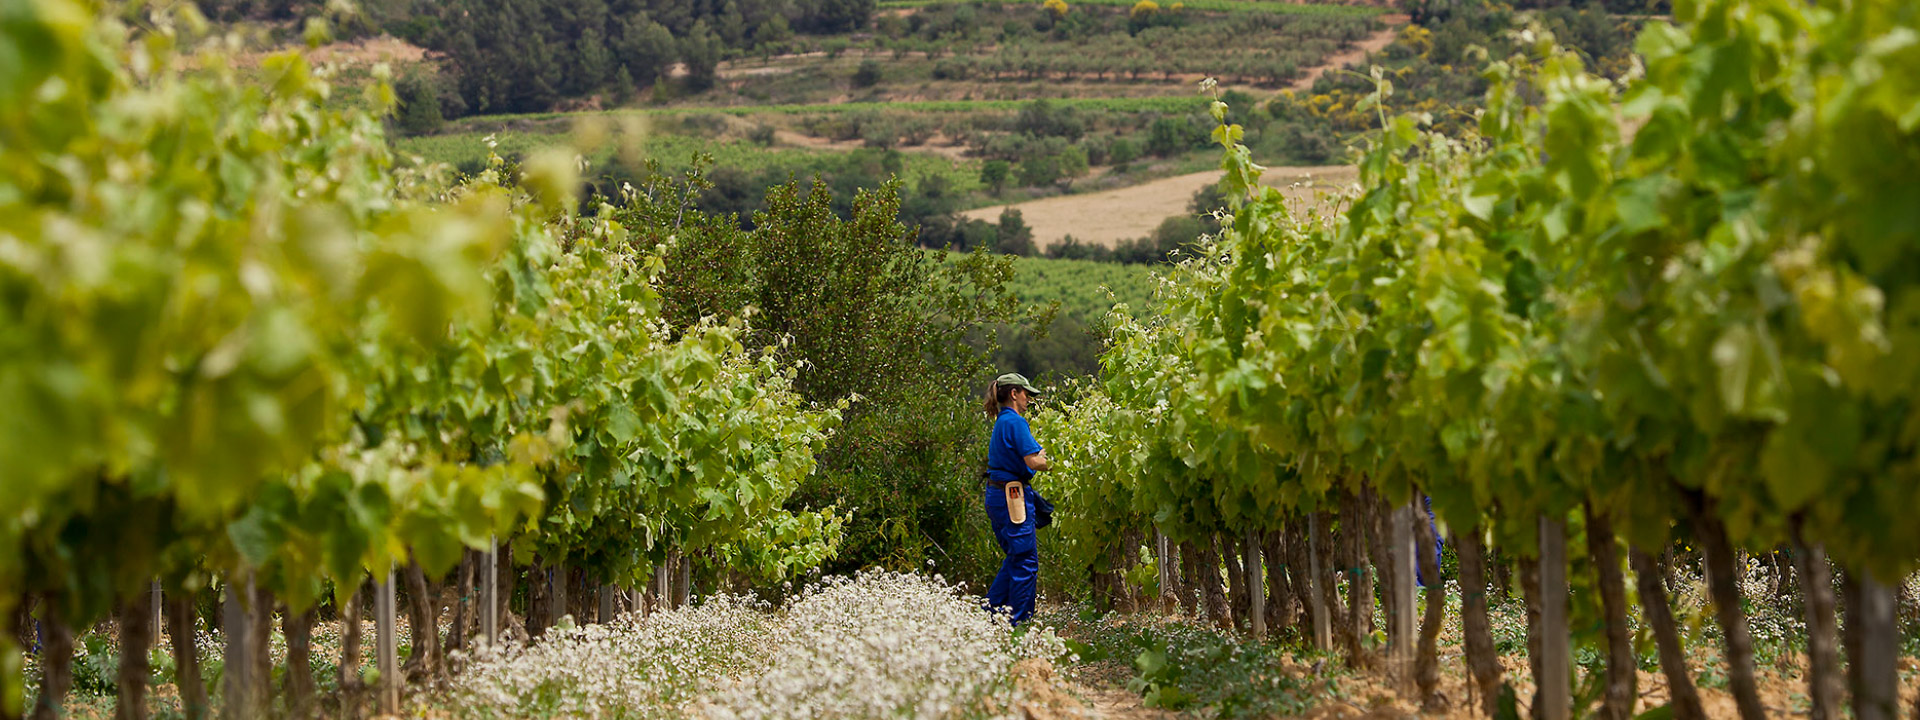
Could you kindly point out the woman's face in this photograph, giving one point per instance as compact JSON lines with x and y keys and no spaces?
{"x":1020,"y":400}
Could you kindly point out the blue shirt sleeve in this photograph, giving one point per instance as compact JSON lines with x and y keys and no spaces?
{"x":1011,"y":442}
{"x":1023,"y":442}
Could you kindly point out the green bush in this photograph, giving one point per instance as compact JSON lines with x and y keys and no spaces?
{"x":419,"y":111}
{"x":994,"y":175}
{"x":1046,"y":119}
{"x":868,"y":74}
{"x":97,"y":672}
{"x":761,"y":135}
{"x":1052,"y":163}
{"x":1174,"y":135}
{"x":1014,"y":236}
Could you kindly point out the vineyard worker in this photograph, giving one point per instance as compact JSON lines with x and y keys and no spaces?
{"x":1012,"y":457}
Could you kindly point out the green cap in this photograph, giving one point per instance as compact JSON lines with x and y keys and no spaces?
{"x":1017,"y":380}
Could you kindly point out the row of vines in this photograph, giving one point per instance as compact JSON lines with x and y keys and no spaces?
{"x":244,"y":349}
{"x":1680,"y":306}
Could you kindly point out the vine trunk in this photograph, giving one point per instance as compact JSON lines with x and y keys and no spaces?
{"x":1681,"y":694}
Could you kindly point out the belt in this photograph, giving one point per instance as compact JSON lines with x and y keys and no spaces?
{"x":997,"y":484}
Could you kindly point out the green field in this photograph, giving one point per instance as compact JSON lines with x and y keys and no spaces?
{"x":1085,"y":292}
{"x":1085,"y":289}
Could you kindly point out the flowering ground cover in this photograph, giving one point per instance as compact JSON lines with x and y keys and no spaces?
{"x":877,"y":644}
{"x":895,"y":645}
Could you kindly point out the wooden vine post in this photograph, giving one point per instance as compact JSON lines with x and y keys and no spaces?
{"x":490,"y":593}
{"x":159,"y":610}
{"x":1824,"y":689}
{"x":1161,"y":548}
{"x":242,"y":686}
{"x":137,"y":631}
{"x":1322,"y":624}
{"x":664,"y":576}
{"x":1873,"y":647}
{"x":1404,"y":629}
{"x":685,"y":588}
{"x":606,"y":604}
{"x":1256,"y":588}
{"x":1556,"y":657}
{"x":387,"y":654}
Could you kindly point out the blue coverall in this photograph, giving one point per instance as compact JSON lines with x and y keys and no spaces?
{"x":1019,"y":577}
{"x":1420,"y":576}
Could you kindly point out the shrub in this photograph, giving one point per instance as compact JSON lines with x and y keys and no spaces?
{"x":1015,"y":237}
{"x":881,"y":134}
{"x":994,"y":175}
{"x":1097,"y":150}
{"x":419,"y":111}
{"x":1042,"y":118}
{"x":868,"y":74}
{"x":957,"y":68}
{"x":1070,"y":248}
{"x":1174,"y":135}
{"x":1056,"y":9}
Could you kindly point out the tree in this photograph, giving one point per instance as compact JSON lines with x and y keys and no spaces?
{"x":701,"y":50}
{"x":1172,"y":135}
{"x":994,"y":175}
{"x":870,"y":314}
{"x":1044,"y":118}
{"x":836,"y":16}
{"x":1142,"y":15}
{"x":646,"y":48}
{"x":623,"y":87}
{"x":592,"y":64}
{"x":502,"y":56}
{"x":419,"y":111}
{"x":1015,"y":237}
{"x":731,"y":25}
{"x":1054,"y":162}
{"x":1073,"y":165}
{"x":868,"y":74}
{"x":773,"y":34}
{"x":1056,"y":9}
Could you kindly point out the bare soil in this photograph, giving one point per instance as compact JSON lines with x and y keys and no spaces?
{"x":1105,"y":218}
{"x":362,"y":52}
{"x":1374,"y":43}
{"x":937,"y":145}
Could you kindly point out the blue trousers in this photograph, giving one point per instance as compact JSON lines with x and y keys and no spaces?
{"x":1420,"y":576}
{"x":1019,"y":577}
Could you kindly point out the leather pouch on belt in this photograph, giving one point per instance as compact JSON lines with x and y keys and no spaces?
{"x":1016,"y":503}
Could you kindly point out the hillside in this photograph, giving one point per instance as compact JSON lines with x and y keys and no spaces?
{"x":1081,"y":115}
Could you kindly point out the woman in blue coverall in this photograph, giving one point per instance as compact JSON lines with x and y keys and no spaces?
{"x":1013,"y":456}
